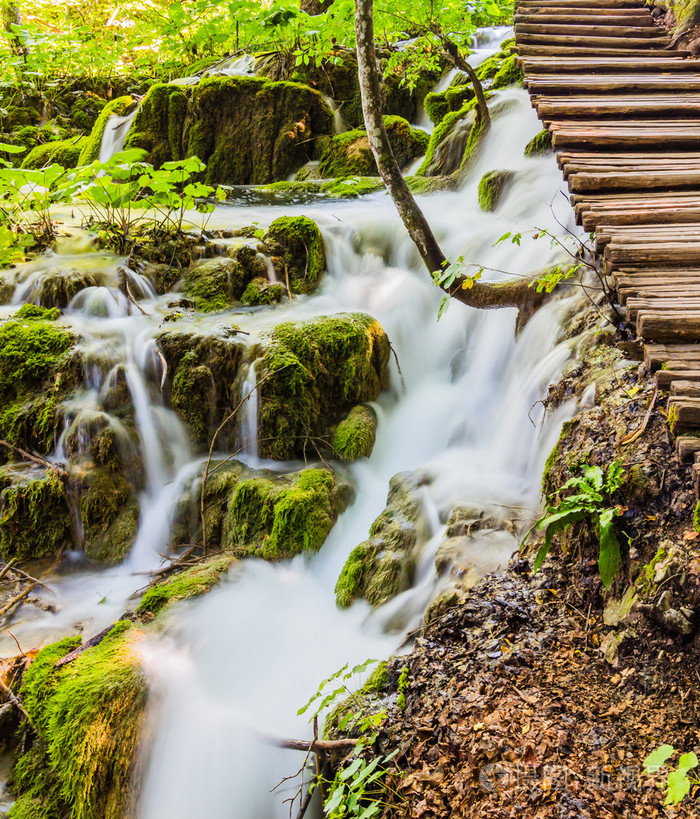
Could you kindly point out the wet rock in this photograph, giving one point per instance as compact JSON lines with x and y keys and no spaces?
{"x":262,"y":292}
{"x":56,"y":288}
{"x":263,"y":513}
{"x":315,"y":372}
{"x":383,"y":566}
{"x":439,"y":104}
{"x":295,"y":245}
{"x":355,"y":435}
{"x":216,"y":284}
{"x":492,"y":186}
{"x":205,"y":120}
{"x":539,"y":145}
{"x":34,"y":515}
{"x":453,"y":143}
{"x":349,"y":154}
{"x":202,"y":374}
{"x":109,"y":514}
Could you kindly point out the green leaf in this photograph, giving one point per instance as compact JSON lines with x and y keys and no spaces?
{"x":687,"y":762}
{"x":609,"y":559}
{"x":678,"y":787}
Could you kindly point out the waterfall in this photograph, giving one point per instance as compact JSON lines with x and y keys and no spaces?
{"x":233,"y":667}
{"x":115,"y":133}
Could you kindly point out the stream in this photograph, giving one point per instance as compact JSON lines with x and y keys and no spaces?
{"x":234,"y":666}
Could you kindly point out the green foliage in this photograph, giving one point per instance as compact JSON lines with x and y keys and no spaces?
{"x":678,"y":781}
{"x":190,"y":583}
{"x":590,"y":500}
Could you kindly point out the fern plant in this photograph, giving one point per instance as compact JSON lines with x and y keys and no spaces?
{"x":589,"y":500}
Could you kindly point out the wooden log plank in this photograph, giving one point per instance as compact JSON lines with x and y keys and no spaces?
{"x":683,"y":414}
{"x":687,"y":446}
{"x":636,"y":305}
{"x":625,"y":138}
{"x":568,"y":84}
{"x":668,"y":326}
{"x":608,"y":19}
{"x":664,"y":378}
{"x":591,"y":219}
{"x":589,"y":4}
{"x":655,"y":355}
{"x":618,"y":180}
{"x":652,"y":63}
{"x":687,"y":388}
{"x":544,"y":50}
{"x":582,"y":40}
{"x":549,"y":30}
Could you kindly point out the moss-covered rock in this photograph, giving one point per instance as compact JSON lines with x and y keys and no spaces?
{"x":34,"y":516}
{"x":349,"y":154}
{"x":91,"y":148}
{"x":262,"y":292}
{"x":276,"y":518}
{"x":85,"y":719}
{"x":217,"y":284}
{"x":201,"y":378}
{"x":492,"y":186}
{"x":219,"y":112}
{"x":193,"y":582}
{"x":16,"y":116}
{"x":355,"y":435}
{"x":298,"y":253}
{"x":37,"y":371}
{"x":315,"y":371}
{"x":539,"y":145}
{"x":439,"y":104}
{"x":61,"y":152}
{"x":383,"y":566}
{"x":109,"y":514}
{"x":57,"y":287}
{"x":85,"y":110}
{"x":454,"y":143}
{"x":508,"y":74}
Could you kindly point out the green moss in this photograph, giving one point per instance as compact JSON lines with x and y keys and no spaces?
{"x":492,"y":186}
{"x":316,"y":371}
{"x":187,"y":584}
{"x":539,"y":145}
{"x":696,"y":517}
{"x":91,"y":148}
{"x":349,"y":154}
{"x":34,"y":311}
{"x":159,"y":125}
{"x":296,"y":247}
{"x":208,"y":283}
{"x":355,"y":435}
{"x":508,"y":74}
{"x":260,"y":292}
{"x":35,"y":376}
{"x":360,"y":704}
{"x":16,"y":116}
{"x":551,"y":466}
{"x":87,"y":716}
{"x":85,"y":111}
{"x":423,"y":185}
{"x":351,"y":581}
{"x":436,"y":107}
{"x":274,"y":520}
{"x":489,"y":68}
{"x":34,"y":517}
{"x":108,"y":514}
{"x":453,"y":143}
{"x":352,"y":187}
{"x":64,"y":152}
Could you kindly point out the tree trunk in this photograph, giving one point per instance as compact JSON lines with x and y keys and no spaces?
{"x":11,"y":16}
{"x":452,"y":53}
{"x":475,"y":294}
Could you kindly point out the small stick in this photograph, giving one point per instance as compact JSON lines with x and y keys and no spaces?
{"x":13,"y":699}
{"x":26,"y":576}
{"x":16,"y":600}
{"x":6,"y":568}
{"x":315,"y":745}
{"x":37,"y":459}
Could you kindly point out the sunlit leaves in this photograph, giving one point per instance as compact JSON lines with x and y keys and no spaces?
{"x":678,"y":781}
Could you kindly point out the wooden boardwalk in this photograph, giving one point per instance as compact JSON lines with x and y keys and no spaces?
{"x":624,"y":113}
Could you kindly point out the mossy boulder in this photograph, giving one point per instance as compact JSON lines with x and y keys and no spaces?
{"x":61,"y":152}
{"x":79,"y":756}
{"x":277,"y":518}
{"x":383,"y":566}
{"x":217,"y":284}
{"x":264,"y":514}
{"x":17,"y":116}
{"x":439,"y":104}
{"x":202,"y":378}
{"x":91,"y":149}
{"x":109,"y":514}
{"x":355,"y":435}
{"x":539,"y":145}
{"x":273,"y":126}
{"x":85,"y":110}
{"x":492,"y":186}
{"x":508,"y":73}
{"x":454,"y":143}
{"x":56,"y":288}
{"x":34,"y":515}
{"x":295,"y":246}
{"x":349,"y":154}
{"x":262,"y":292}
{"x":38,"y":370}
{"x":311,"y":374}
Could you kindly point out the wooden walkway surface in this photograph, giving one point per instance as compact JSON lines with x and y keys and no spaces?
{"x":624,"y":113}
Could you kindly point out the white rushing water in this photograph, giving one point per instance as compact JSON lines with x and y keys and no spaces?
{"x":234,"y":666}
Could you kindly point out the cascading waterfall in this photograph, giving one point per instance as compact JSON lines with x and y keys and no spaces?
{"x":235,"y":665}
{"x":115,"y":133}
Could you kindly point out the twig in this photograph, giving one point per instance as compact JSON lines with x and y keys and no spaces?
{"x":637,"y":433}
{"x":6,"y":568}
{"x":34,"y":579}
{"x":13,"y":699}
{"x":17,"y":642}
{"x":93,"y":641}
{"x":16,"y":600}
{"x":37,"y":459}
{"x":315,"y":745}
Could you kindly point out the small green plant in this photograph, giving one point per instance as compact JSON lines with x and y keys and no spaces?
{"x":678,"y":781}
{"x":402,"y":687}
{"x":359,"y":788}
{"x":590,"y":500}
